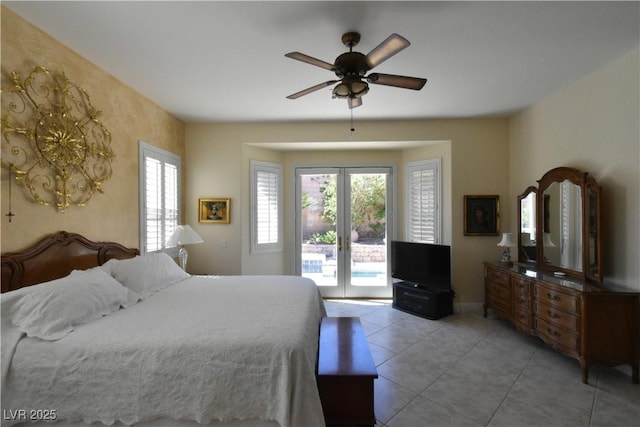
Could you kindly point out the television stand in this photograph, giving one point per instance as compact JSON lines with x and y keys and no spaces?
{"x":422,"y":301}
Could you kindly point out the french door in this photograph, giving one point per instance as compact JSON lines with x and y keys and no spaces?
{"x":343,"y":229}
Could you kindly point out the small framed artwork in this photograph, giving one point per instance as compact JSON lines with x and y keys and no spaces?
{"x":481,"y":215}
{"x":214,"y":210}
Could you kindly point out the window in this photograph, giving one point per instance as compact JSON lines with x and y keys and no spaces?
{"x":159,"y":196}
{"x":266,"y":209}
{"x":423,"y":201}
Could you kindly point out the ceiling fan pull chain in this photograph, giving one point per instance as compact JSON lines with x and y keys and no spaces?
{"x":352,"y":128}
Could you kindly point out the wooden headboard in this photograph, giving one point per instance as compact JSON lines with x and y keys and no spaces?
{"x":55,"y":256}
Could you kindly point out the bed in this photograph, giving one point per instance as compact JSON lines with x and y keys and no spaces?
{"x":169,"y":348}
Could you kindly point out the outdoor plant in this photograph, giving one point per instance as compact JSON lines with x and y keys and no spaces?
{"x":328,"y":237}
{"x":368,"y":209}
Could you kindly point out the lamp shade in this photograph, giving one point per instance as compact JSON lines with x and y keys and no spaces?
{"x":184,"y":235}
{"x":546,"y":241}
{"x":507,"y":240}
{"x":525,"y":238}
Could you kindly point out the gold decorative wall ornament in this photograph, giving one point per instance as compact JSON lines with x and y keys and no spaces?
{"x":54,"y":141}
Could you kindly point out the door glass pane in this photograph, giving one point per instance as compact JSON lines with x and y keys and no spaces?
{"x":319,"y":233}
{"x":368,"y":248}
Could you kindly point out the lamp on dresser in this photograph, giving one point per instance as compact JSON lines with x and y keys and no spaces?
{"x":183,"y":235}
{"x":508,"y":243}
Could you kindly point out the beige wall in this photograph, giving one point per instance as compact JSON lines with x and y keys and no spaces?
{"x":592,"y":125}
{"x":125,"y":113}
{"x":475,"y":161}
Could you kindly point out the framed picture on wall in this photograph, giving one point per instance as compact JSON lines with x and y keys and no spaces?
{"x":481,"y":215}
{"x":214,"y":210}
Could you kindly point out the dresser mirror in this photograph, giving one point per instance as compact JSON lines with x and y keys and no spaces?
{"x":527,"y":225}
{"x":567,"y":224}
{"x":562,"y":244}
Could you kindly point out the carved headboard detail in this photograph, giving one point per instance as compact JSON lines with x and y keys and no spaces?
{"x":55,"y":256}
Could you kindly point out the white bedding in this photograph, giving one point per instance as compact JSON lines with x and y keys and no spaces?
{"x":205,"y":349}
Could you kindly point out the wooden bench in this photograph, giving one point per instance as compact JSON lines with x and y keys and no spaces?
{"x":345,"y":373}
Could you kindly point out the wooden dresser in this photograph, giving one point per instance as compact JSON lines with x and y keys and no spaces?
{"x":591,"y":323}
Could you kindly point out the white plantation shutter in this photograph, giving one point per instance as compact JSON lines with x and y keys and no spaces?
{"x":423,"y":201}
{"x":267,"y":206}
{"x":266,"y":188}
{"x":159,"y":196}
{"x":153,"y":208}
{"x":171,"y":197}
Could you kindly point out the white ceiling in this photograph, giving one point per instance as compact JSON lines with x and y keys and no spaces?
{"x":224,"y":61}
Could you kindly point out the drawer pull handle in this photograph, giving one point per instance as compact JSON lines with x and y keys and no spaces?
{"x":553,"y":315}
{"x":552,"y":332}
{"x":553,"y":297}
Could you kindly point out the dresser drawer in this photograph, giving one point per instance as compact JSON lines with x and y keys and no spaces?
{"x":558,"y":337}
{"x":522,"y":302}
{"x":522,"y":317}
{"x":499,"y":291}
{"x":500,"y":306}
{"x":497,"y":276}
{"x":556,"y":317}
{"x":561,"y":300}
{"x":521,"y":286}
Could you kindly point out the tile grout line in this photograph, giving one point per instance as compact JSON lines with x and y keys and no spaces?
{"x":595,"y":397}
{"x":419,"y":394}
{"x":449,"y":369}
{"x":513,"y":384}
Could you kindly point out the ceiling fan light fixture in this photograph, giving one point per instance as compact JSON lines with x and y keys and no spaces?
{"x":350,"y":88}
{"x":341,"y":91}
{"x":359,"y":88}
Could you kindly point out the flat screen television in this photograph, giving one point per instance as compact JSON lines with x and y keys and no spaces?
{"x":424,"y":264}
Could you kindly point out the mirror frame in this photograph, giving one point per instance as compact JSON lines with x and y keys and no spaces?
{"x":529,"y":190}
{"x":585,"y":183}
{"x":592,"y":230}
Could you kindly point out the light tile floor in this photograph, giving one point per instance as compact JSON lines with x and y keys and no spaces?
{"x":467,"y":370}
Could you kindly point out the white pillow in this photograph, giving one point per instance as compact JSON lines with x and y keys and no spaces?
{"x":146,"y":274}
{"x":51,"y":309}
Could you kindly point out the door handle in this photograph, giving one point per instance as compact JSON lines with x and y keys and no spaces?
{"x":339,"y":243}
{"x":348,"y":244}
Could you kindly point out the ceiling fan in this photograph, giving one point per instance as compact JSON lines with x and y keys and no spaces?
{"x":351,"y":67}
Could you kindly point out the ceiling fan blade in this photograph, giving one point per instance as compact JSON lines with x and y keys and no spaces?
{"x":355,"y":102}
{"x":310,"y":60}
{"x":385,"y":50}
{"x":405,"y":82}
{"x":312,"y":89}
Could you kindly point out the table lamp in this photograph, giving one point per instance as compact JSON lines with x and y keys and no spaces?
{"x":526,"y":240}
{"x":506,"y":242}
{"x":183,"y":235}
